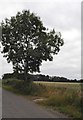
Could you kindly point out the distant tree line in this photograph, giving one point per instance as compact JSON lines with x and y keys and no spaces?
{"x":39,"y":77}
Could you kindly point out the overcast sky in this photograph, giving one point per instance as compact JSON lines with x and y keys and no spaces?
{"x":64,"y":17}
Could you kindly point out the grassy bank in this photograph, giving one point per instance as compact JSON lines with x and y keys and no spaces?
{"x":64,"y":97}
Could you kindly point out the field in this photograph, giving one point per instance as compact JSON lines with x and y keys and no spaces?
{"x":63,"y":97}
{"x":67,"y":85}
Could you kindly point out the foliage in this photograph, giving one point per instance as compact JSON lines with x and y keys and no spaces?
{"x":64,"y":97}
{"x":39,"y":77}
{"x":23,"y":87}
{"x":26,"y":42}
{"x":19,"y":76}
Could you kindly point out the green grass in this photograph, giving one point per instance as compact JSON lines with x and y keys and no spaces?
{"x":64,"y":97}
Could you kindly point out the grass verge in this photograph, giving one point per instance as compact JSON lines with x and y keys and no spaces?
{"x":64,"y":97}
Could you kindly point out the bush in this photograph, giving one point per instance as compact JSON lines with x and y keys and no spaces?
{"x":25,"y":87}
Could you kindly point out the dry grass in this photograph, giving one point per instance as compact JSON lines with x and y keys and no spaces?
{"x":64,"y":97}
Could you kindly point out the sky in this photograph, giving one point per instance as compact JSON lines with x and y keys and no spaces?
{"x":65,"y":17}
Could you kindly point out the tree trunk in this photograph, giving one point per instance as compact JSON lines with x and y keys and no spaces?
{"x":25,"y":70}
{"x":26,"y":74}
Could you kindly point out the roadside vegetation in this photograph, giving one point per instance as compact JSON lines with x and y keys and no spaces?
{"x":0,"y":83}
{"x":61,"y":96}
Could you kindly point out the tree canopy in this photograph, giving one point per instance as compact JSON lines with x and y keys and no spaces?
{"x":27,"y":42}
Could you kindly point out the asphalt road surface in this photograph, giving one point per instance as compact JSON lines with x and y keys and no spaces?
{"x":14,"y":106}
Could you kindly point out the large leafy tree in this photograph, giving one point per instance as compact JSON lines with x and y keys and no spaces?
{"x":26,"y":42}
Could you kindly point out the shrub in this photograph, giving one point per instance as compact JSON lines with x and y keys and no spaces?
{"x":24,"y":87}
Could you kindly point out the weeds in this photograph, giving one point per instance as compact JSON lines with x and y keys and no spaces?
{"x":59,"y":96}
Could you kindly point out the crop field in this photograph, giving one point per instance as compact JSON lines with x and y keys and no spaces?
{"x":62,"y":96}
{"x":67,"y":85}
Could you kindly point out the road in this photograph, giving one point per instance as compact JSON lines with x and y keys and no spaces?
{"x":14,"y":106}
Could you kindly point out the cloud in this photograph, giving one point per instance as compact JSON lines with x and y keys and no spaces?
{"x":68,"y":61}
{"x":64,"y":17}
{"x":4,"y":66}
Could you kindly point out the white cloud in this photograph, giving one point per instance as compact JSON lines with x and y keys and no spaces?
{"x":64,"y":17}
{"x":68,"y":61}
{"x":4,"y":66}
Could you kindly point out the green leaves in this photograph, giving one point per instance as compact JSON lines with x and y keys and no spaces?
{"x":26,"y":42}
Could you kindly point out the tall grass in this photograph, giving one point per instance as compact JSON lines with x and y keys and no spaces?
{"x":65,"y":97}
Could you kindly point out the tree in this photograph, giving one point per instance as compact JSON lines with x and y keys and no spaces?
{"x":26,"y":42}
